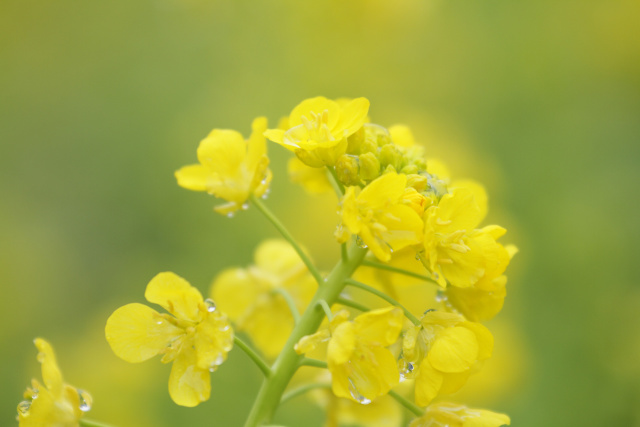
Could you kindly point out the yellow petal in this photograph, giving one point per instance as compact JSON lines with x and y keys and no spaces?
{"x":222,"y":151}
{"x":227,"y":288}
{"x":457,"y":211}
{"x":404,"y":226}
{"x":175,"y":295}
{"x":388,"y":188}
{"x":479,"y":194}
{"x":188,"y":384}
{"x":428,"y":383}
{"x":193,"y":177}
{"x":269,"y":324}
{"x":454,"y":350}
{"x":308,"y":343}
{"x":484,"y":418}
{"x":213,"y":340}
{"x":315,"y":105}
{"x":352,"y":117}
{"x":484,"y":337}
{"x":314,"y":180}
{"x":51,"y":374}
{"x":275,"y":135}
{"x":453,"y":382}
{"x":379,"y":327}
{"x":342,"y":343}
{"x":478,"y":305}
{"x":373,"y":373}
{"x":136,"y":332}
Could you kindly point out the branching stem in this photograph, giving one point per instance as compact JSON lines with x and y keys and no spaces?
{"x":385,"y":297}
{"x":290,"y":303}
{"x":285,"y":233}
{"x":259,"y":361}
{"x":406,"y":403}
{"x":393,"y":269}
{"x":302,"y":390}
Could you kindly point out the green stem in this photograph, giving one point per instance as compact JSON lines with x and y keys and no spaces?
{"x":288,"y":361}
{"x":352,"y":304}
{"x":302,"y":390}
{"x":381,"y":266}
{"x":406,"y":403}
{"x":335,"y":182}
{"x":266,"y":370}
{"x":385,"y":297}
{"x":314,"y":363}
{"x":343,"y":252}
{"x":89,"y":423}
{"x":290,"y":303}
{"x":285,"y":233}
{"x":327,"y":310}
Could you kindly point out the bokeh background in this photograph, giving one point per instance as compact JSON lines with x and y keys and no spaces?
{"x":101,"y":101}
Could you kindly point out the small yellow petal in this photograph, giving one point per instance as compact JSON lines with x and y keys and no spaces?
{"x":51,"y":374}
{"x":188,"y":384}
{"x":454,"y":350}
{"x":136,"y":332}
{"x":342,"y":343}
{"x":175,"y":295}
{"x":428,"y":383}
{"x":379,"y":327}
{"x":193,"y":177}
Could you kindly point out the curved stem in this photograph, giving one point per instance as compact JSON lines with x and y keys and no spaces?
{"x":393,"y":269}
{"x":259,"y":361}
{"x":290,"y":303}
{"x":314,"y":363}
{"x":89,"y":423}
{"x":288,"y":361}
{"x":352,"y":304}
{"x":335,"y":182}
{"x":285,"y":233}
{"x":343,"y":252}
{"x":385,"y":297}
{"x":327,"y":310}
{"x":302,"y":390}
{"x":406,"y":403}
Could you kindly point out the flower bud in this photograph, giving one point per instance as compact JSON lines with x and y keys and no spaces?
{"x":369,"y":166}
{"x":347,"y":169}
{"x":389,"y":155}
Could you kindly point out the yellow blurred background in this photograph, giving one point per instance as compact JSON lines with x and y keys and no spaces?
{"x":101,"y":101}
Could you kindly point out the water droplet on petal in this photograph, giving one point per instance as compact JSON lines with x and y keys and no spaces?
{"x":441,"y":296}
{"x":353,"y":390}
{"x":245,"y":206}
{"x":23,"y":407}
{"x":406,"y":368}
{"x":217,"y":362}
{"x":85,"y":400}
{"x":211,"y":306}
{"x":230,"y":214}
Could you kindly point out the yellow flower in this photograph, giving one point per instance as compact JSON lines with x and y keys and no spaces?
{"x":230,"y":167}
{"x":54,"y":404}
{"x":382,"y":412}
{"x":249,"y":296}
{"x":454,"y":250}
{"x":361,"y":366}
{"x":485,"y":299}
{"x":444,"y":414}
{"x":441,"y":352}
{"x":319,"y":127}
{"x":196,"y":340}
{"x":379,"y":217}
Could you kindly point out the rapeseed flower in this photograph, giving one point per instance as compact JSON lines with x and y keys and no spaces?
{"x":318,"y":129}
{"x":454,"y":250}
{"x":196,"y":338}
{"x":250,"y":296}
{"x":379,"y":217}
{"x":54,"y":403}
{"x":230,"y":167}
{"x":444,"y":414}
{"x":361,"y":365}
{"x":441,"y":353}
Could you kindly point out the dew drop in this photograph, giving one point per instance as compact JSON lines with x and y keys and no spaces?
{"x":245,"y":206}
{"x":266,"y":194}
{"x":353,"y":390}
{"x":406,"y":369}
{"x":85,"y":400}
{"x":230,"y":214}
{"x":23,"y":407}
{"x":441,"y":296}
{"x":211,"y":306}
{"x":360,"y":242}
{"x":217,"y":362}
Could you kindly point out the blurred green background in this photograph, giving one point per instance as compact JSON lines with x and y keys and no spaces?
{"x":101,"y":101}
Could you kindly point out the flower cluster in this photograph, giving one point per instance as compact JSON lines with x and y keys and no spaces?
{"x":394,"y":324}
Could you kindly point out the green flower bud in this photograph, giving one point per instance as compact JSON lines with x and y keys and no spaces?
{"x":369,"y":166}
{"x":389,"y":155}
{"x":347,"y":169}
